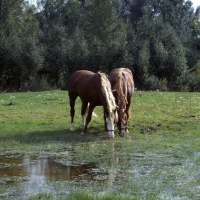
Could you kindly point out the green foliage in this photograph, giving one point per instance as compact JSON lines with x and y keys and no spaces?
{"x":157,"y":40}
{"x":30,"y":51}
{"x":19,"y":45}
{"x":9,"y":42}
{"x":162,"y":54}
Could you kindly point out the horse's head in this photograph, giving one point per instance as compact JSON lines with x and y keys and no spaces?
{"x":111,"y":121}
{"x":110,"y":106}
{"x":123,"y":118}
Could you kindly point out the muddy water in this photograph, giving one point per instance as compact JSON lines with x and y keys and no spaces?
{"x":40,"y":169}
{"x":167,"y":173}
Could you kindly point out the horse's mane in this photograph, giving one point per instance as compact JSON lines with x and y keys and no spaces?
{"x":107,"y":92}
{"x":122,"y":100}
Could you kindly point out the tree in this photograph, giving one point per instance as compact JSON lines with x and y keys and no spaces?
{"x":54,"y":36}
{"x":161,"y":53}
{"x":105,"y":34}
{"x":8,"y":43}
{"x":193,"y":54}
{"x":30,"y":52}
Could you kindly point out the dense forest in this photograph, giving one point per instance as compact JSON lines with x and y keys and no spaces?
{"x":42,"y":45}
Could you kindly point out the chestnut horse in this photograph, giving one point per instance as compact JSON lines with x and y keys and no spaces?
{"x":94,"y":89}
{"x":122,"y":83}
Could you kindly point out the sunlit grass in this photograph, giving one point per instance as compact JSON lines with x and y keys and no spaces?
{"x":157,"y":159}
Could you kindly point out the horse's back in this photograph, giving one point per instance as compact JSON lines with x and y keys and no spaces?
{"x":116,"y":71}
{"x":127,"y":76}
{"x":85,"y":84}
{"x":80,"y":78}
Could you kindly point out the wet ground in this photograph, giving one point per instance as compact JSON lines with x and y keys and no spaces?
{"x":27,"y":175}
{"x":41,"y":169}
{"x":169,"y":173}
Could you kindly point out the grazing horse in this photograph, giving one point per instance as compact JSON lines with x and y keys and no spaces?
{"x":94,"y":89}
{"x":122,"y":83}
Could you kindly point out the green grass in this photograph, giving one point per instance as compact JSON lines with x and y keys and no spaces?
{"x":158,"y":159}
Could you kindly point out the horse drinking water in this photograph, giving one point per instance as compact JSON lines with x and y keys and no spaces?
{"x":122,"y":83}
{"x":94,"y":89}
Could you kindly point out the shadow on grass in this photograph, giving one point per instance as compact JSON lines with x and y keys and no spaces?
{"x":57,"y":137}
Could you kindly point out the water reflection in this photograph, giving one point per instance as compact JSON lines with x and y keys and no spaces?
{"x":40,"y":169}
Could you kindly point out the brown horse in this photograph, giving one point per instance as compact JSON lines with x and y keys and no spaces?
{"x":94,"y":89}
{"x":122,"y":83}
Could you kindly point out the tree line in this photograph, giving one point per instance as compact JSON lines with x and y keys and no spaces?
{"x":42,"y":45}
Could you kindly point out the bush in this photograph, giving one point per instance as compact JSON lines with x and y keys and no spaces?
{"x":153,"y":83}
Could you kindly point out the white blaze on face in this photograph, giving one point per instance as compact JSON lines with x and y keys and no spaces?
{"x":110,"y":127}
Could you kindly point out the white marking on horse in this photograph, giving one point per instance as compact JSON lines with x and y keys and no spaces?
{"x":83,"y":121}
{"x":94,"y":114}
{"x":110,"y":128}
{"x":72,"y":127}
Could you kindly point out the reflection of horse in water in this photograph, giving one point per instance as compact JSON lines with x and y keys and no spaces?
{"x":94,"y":89}
{"x":122,"y":83}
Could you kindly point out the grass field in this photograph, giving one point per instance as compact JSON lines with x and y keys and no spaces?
{"x":158,"y":159}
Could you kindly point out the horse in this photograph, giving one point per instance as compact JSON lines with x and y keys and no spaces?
{"x":94,"y":89}
{"x":122,"y":84}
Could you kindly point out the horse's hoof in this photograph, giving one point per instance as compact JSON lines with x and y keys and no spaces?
{"x":82,"y":126}
{"x":82,"y":134}
{"x":121,"y":134}
{"x":72,"y":127}
{"x":111,"y":136}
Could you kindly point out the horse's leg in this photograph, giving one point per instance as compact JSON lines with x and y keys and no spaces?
{"x":88,"y":118}
{"x":128,"y":113}
{"x":104,"y":116}
{"x":72,"y":98}
{"x":84,"y":109}
{"x":119,"y":123}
